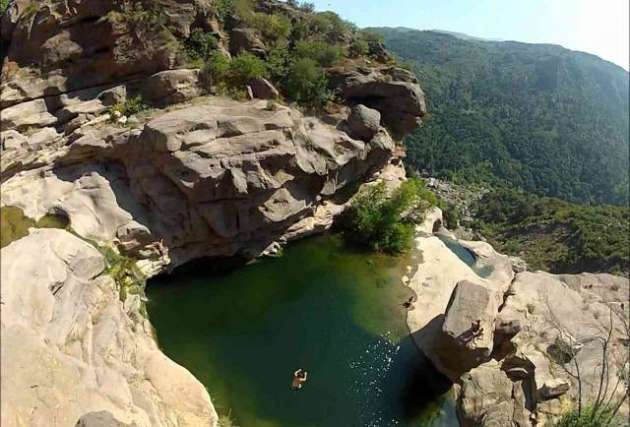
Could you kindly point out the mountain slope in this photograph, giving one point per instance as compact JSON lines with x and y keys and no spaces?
{"x":540,"y":117}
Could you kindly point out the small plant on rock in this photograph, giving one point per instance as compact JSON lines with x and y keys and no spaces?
{"x":307,"y":84}
{"x":120,"y":112}
{"x":383,"y":221}
{"x":199,"y":46}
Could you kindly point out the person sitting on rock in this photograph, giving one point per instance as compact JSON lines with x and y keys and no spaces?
{"x":299,"y":378}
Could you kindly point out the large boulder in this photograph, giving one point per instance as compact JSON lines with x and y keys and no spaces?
{"x":364,"y":122}
{"x":246,"y":39}
{"x":485,"y":398}
{"x":466,"y":339}
{"x":171,"y":87}
{"x":392,"y":91}
{"x":263,"y":89}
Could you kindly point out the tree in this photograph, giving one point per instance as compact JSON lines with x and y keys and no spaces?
{"x":307,"y":84}
{"x":604,"y":409}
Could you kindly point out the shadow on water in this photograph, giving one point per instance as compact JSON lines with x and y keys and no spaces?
{"x":330,"y":309}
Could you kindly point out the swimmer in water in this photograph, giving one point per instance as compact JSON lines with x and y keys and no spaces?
{"x":299,"y":378}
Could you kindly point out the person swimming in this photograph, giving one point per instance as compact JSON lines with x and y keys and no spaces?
{"x":299,"y":378}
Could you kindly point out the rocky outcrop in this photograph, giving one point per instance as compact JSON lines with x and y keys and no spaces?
{"x":105,"y":124}
{"x":70,"y":348}
{"x":263,"y":89}
{"x":511,"y":340}
{"x":66,"y":46}
{"x":392,"y":91}
{"x":171,"y":87}
{"x":364,"y":122}
{"x":466,"y":338}
{"x":217,"y":179}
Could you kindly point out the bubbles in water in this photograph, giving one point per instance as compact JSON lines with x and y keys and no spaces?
{"x":371,"y":370}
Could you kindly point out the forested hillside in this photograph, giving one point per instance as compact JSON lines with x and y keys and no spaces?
{"x":554,"y":235}
{"x":540,"y":117}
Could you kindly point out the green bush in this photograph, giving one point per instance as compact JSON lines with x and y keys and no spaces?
{"x":307,"y":84}
{"x":452,"y":215}
{"x":4,"y":5}
{"x":130,"y":107}
{"x":358,"y":47}
{"x":590,"y":417}
{"x":278,"y":62}
{"x":199,"y":46}
{"x":227,"y":8}
{"x":216,"y":69}
{"x":380,"y":220}
{"x":329,"y":26}
{"x":230,"y":76}
{"x":323,"y":53}
{"x":245,"y":67}
{"x":274,"y":27}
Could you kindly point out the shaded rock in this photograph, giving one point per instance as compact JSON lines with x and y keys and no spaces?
{"x":392,"y":91}
{"x":245,"y":39}
{"x":364,"y":122}
{"x":113,"y":96}
{"x":263,"y":89}
{"x":91,"y":43}
{"x":553,"y":388}
{"x":467,"y":334}
{"x":100,"y":419}
{"x":486,"y":397}
{"x":171,"y":87}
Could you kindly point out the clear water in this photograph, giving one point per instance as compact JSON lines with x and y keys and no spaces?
{"x":467,"y":256}
{"x":333,"y":311}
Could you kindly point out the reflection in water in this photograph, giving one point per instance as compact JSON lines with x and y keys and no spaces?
{"x":329,"y":309}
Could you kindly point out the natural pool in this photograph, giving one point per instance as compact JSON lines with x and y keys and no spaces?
{"x":467,"y":256}
{"x":324,"y":307}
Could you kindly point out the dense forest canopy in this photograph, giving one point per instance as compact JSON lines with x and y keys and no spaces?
{"x":554,"y":235}
{"x":540,"y":117}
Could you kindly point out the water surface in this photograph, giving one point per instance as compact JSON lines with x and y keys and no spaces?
{"x":333,"y":311}
{"x":466,"y":255}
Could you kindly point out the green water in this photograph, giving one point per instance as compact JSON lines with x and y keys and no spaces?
{"x":333,"y":311}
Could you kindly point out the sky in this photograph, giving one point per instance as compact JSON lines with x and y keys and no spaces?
{"x":599,"y":27}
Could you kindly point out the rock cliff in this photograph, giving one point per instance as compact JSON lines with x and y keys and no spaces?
{"x":195,"y":175}
{"x":520,"y":346}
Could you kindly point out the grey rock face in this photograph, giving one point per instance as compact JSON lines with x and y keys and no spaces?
{"x":364,"y":122}
{"x":392,"y":91}
{"x":69,"y":342}
{"x":536,"y":326}
{"x":245,"y":39}
{"x":466,"y":340}
{"x":171,"y":87}
{"x":100,"y":419}
{"x":263,"y":89}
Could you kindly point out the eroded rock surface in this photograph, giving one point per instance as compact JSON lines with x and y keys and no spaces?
{"x":70,"y":348}
{"x":194,"y":176}
{"x":511,"y":340}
